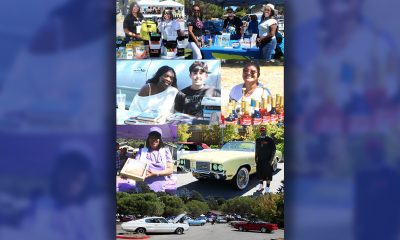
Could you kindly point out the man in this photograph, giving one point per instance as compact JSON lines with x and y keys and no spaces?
{"x":188,"y":100}
{"x":265,"y":152}
{"x":233,"y":25}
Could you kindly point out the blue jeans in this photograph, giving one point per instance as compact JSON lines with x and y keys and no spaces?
{"x":268,"y":50}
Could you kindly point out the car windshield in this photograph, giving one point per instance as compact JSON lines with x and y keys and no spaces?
{"x":188,"y":147}
{"x":239,"y":146}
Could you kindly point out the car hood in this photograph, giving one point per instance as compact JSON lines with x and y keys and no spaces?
{"x":179,"y":217}
{"x":218,"y":156}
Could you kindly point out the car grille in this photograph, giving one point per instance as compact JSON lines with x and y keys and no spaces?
{"x":202,"y":166}
{"x":187,"y":164}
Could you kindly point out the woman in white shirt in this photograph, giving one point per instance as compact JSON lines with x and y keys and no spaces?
{"x":157,"y":95}
{"x":253,"y":88}
{"x":267,"y":28}
{"x":170,"y":29}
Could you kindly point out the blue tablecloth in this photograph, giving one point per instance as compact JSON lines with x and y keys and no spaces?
{"x":251,"y":53}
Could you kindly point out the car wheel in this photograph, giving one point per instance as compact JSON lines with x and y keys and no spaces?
{"x":179,"y":231}
{"x":202,"y":224}
{"x":241,"y":229}
{"x":263,"y":230}
{"x":141,"y":230}
{"x":241,"y":179}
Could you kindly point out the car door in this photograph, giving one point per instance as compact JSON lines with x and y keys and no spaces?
{"x":153,"y":225}
{"x":164,"y":225}
{"x":252,"y":225}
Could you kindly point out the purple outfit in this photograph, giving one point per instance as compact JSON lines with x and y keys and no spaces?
{"x":157,"y":162}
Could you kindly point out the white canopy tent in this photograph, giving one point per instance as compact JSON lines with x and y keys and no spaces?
{"x":144,"y":4}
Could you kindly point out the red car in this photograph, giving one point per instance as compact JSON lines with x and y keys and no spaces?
{"x":256,"y":226}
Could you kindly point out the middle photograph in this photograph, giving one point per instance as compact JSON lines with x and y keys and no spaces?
{"x":168,"y":92}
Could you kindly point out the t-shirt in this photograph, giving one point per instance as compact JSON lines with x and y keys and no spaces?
{"x":263,"y":27}
{"x":253,"y":27}
{"x":131,"y":22}
{"x":236,"y":93}
{"x":188,"y":101}
{"x":169,"y":30}
{"x":232,"y":26}
{"x":197,"y":28}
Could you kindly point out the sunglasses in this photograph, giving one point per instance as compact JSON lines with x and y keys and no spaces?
{"x":252,"y":72}
{"x":196,"y":10}
{"x":201,"y":71}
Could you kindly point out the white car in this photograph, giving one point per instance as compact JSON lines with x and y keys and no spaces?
{"x":156,"y":224}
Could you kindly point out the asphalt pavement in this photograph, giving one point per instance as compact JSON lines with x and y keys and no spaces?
{"x":216,"y":231}
{"x":219,"y":188}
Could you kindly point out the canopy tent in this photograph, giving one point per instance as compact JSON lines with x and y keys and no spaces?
{"x":243,"y":3}
{"x":142,"y":131}
{"x":168,"y":3}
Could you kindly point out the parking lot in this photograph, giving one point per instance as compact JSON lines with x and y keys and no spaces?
{"x":216,"y":231}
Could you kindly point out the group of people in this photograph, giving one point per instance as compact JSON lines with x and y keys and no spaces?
{"x":160,"y":94}
{"x":266,"y":30}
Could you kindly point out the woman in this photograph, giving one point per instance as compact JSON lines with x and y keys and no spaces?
{"x":254,"y":89}
{"x":267,"y":28}
{"x":160,"y":162}
{"x":157,"y":96}
{"x":131,"y":21}
{"x":195,"y":29}
{"x":169,"y":28}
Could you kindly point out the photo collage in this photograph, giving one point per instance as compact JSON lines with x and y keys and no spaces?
{"x":200,"y":118}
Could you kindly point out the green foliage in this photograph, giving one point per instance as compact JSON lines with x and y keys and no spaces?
{"x":173,"y":205}
{"x":265,"y":207}
{"x":212,"y":203}
{"x":211,"y":134}
{"x":211,"y":10}
{"x":280,"y":147}
{"x":195,"y":208}
{"x":139,"y":204}
{"x":250,"y":134}
{"x":231,"y":132}
{"x":214,"y":146}
{"x":280,"y":211}
{"x":240,"y":12}
{"x":182,"y":132}
{"x":239,"y":205}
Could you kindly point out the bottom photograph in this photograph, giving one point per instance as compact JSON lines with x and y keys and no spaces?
{"x":200,"y":180}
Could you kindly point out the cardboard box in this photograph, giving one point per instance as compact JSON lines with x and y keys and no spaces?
{"x":134,"y":169}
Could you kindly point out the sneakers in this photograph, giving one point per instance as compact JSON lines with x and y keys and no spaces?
{"x":267,"y":190}
{"x":260,"y":190}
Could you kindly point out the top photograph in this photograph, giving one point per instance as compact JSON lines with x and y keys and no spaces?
{"x":182,"y":29}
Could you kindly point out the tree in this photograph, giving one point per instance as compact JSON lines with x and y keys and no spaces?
{"x":250,"y":135}
{"x":195,"y":195}
{"x":139,"y":204}
{"x":231,"y":132}
{"x":195,"y":208}
{"x":182,"y":132}
{"x":184,"y":194}
{"x":211,"y":134}
{"x":212,"y":203}
{"x":173,"y":205}
{"x":239,"y":205}
{"x":265,"y":207}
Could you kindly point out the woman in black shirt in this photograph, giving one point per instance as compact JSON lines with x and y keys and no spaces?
{"x":195,"y":29}
{"x":131,"y":21}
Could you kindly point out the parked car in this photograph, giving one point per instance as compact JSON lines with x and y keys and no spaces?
{"x":234,"y":162}
{"x":126,"y":218}
{"x":221,"y":219}
{"x":213,"y":27}
{"x":263,"y":227}
{"x":156,"y":224}
{"x":196,"y":222}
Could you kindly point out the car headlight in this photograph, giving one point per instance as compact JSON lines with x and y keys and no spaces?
{"x":215,"y":167}
{"x":220,"y":168}
{"x":182,"y":162}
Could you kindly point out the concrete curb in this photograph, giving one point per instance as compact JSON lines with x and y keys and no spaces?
{"x":132,"y":237}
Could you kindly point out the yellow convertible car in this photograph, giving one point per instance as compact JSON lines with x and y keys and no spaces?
{"x":235,"y":161}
